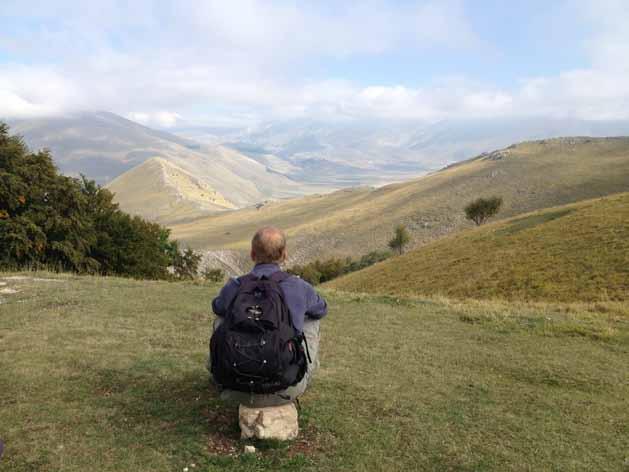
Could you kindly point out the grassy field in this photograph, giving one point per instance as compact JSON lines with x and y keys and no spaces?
{"x":108,"y":374}
{"x":566,"y":253}
{"x":529,"y":176}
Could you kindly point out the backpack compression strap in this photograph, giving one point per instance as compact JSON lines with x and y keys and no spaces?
{"x":278,"y":277}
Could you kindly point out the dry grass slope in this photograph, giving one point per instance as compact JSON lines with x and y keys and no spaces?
{"x":572,"y":252}
{"x":529,"y":176}
{"x":160,"y":190}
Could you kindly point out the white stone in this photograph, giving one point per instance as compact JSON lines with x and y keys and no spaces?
{"x":271,"y":422}
{"x":250,"y":449}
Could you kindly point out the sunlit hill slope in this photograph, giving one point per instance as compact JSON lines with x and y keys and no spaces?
{"x":160,"y":190}
{"x":529,"y":176}
{"x":567,"y":253}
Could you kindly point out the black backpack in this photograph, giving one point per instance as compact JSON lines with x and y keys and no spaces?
{"x":257,"y":349}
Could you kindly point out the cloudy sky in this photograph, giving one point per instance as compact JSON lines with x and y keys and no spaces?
{"x":241,"y":61}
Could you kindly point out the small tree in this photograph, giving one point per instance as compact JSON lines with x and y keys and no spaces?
{"x":481,"y":209}
{"x":400,"y":239}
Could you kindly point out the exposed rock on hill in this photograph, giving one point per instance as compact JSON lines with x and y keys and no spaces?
{"x":160,"y":190}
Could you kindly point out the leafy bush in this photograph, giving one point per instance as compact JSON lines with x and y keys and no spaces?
{"x":481,"y":209}
{"x":323,"y":271}
{"x":213,"y":275}
{"x":186,"y":264}
{"x":63,"y":223}
{"x":308,"y":272}
{"x":368,"y":260}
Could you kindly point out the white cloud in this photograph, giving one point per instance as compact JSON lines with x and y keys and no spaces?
{"x":160,"y":119}
{"x":598,"y":92}
{"x":240,"y":57}
{"x":241,"y":60}
{"x":29,"y":91}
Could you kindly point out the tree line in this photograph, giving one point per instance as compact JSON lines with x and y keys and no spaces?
{"x":48,"y":220}
{"x":321,"y":271}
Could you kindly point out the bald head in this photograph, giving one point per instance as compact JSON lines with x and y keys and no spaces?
{"x":268,"y":246}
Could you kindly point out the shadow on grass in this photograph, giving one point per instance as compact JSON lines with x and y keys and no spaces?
{"x":150,"y":408}
{"x":527,"y":222}
{"x":182,"y":415}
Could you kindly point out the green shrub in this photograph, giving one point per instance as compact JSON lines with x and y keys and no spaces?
{"x":63,"y":223}
{"x":368,"y":260}
{"x":481,"y":209}
{"x":323,"y":271}
{"x":213,"y":275}
{"x":186,"y":264}
{"x":308,"y":273}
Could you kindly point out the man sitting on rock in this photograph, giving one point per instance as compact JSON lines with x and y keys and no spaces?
{"x":265,"y":345}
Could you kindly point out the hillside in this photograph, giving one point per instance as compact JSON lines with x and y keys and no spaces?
{"x":375,"y":152}
{"x":566,"y":253}
{"x":103,"y":146}
{"x":529,"y":176}
{"x":100,"y":145}
{"x":107,"y":374}
{"x":159,"y":190}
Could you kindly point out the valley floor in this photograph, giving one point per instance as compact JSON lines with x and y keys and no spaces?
{"x":108,"y":374}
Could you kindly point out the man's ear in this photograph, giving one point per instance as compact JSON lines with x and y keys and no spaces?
{"x":253,"y":255}
{"x":284,"y":256}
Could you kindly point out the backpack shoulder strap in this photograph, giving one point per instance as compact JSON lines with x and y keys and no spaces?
{"x":240,"y":282}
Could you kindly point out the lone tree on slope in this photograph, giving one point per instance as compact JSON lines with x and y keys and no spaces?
{"x":400,"y":239}
{"x":481,"y":209}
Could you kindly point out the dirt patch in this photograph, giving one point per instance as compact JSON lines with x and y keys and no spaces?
{"x":224,"y":437}
{"x":23,"y":278}
{"x":224,"y":433}
{"x":309,"y":443}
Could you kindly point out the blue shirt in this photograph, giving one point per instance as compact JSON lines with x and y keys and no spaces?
{"x":301,"y":298}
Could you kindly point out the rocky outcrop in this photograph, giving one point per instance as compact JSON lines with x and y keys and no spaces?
{"x":233,"y":263}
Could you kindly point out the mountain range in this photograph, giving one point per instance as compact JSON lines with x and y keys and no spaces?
{"x":192,"y":171}
{"x":109,"y":149}
{"x":359,"y":152}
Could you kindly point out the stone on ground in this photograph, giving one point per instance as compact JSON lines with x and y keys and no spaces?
{"x":271,"y":422}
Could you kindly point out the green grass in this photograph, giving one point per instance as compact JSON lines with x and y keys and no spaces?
{"x":108,"y":374}
{"x":568,"y":253}
{"x":530,"y":176}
